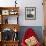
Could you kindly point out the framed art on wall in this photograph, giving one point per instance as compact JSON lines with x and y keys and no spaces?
{"x":5,"y":12}
{"x":30,"y":13}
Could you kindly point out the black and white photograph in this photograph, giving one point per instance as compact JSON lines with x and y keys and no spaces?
{"x":30,"y":13}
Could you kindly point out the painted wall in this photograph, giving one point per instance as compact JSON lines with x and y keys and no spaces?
{"x":39,"y":13}
{"x":26,"y":3}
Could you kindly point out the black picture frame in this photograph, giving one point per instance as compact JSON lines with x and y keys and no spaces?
{"x":30,"y":13}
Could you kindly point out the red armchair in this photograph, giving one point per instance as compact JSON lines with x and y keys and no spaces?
{"x":29,"y":36}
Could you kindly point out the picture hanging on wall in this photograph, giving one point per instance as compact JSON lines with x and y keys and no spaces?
{"x":30,"y":13}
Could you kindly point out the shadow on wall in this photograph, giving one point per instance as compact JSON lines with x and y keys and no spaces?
{"x":37,"y":29}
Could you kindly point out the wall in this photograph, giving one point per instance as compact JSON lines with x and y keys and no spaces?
{"x":39,"y":13}
{"x":26,"y":3}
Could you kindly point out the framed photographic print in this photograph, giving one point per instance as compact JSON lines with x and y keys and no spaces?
{"x":5,"y":12}
{"x":30,"y":13}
